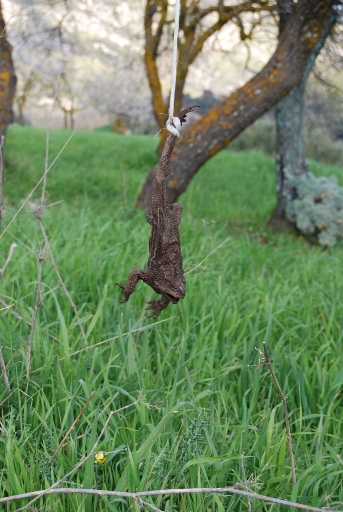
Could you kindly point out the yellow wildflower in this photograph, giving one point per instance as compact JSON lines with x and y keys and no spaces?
{"x":100,"y":457}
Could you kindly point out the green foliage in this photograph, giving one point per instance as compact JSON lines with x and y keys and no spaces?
{"x":182,"y":389}
{"x":259,"y":136}
{"x":318,"y":208}
{"x":319,"y":144}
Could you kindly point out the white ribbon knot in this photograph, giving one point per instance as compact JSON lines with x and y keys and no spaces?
{"x":174,"y":126}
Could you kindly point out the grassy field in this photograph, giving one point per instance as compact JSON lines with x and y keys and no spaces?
{"x":177,"y":401}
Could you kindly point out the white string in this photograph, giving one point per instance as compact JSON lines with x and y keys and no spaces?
{"x":173,"y":123}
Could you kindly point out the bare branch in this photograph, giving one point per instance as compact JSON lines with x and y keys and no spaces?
{"x":147,"y":504}
{"x":9,"y":257}
{"x":245,"y":480}
{"x":72,"y":426}
{"x":97,"y":492}
{"x":206,"y":257}
{"x":38,"y":303}
{"x":266,"y":360}
{"x":151,"y":9}
{"x":4,"y":372}
{"x":2,"y":177}
{"x":225,"y":14}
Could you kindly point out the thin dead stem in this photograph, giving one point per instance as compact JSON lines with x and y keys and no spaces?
{"x":137,"y":495}
{"x":112,"y":339}
{"x":42,"y":199}
{"x":119,"y":336}
{"x":72,"y":426}
{"x":266,"y":360}
{"x":2,"y":177}
{"x":59,"y":277}
{"x":35,"y":312}
{"x":46,"y":166}
{"x":9,"y":257}
{"x":4,"y":372}
{"x":245,"y":480}
{"x":206,"y":257}
{"x":147,"y":504}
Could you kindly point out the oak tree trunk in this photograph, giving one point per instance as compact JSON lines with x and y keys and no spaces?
{"x":290,"y":148}
{"x":290,"y":151}
{"x":215,"y":130}
{"x":7,"y":79}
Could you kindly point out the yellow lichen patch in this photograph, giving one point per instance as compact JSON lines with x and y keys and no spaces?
{"x":215,"y":149}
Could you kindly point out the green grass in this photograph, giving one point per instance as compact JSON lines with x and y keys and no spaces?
{"x":192,"y":401}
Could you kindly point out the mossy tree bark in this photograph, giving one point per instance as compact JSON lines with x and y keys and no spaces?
{"x":7,"y":79}
{"x":216,"y":129}
{"x":290,"y":148}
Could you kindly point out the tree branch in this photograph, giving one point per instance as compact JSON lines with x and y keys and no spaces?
{"x":163,"y":492}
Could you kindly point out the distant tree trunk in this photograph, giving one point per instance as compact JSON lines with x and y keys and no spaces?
{"x":7,"y":79}
{"x":65,"y":118}
{"x":72,"y":119}
{"x":23,"y":94}
{"x":290,"y":148}
{"x":20,"y":106}
{"x":216,"y":129}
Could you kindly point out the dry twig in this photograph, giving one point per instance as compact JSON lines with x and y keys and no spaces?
{"x":4,"y":372}
{"x":245,"y":480}
{"x":147,"y":504}
{"x":265,"y":360}
{"x":146,"y":327}
{"x":35,"y":312}
{"x":9,"y":257}
{"x":72,"y":426}
{"x":208,"y":255}
{"x":2,"y":177}
{"x":136,"y":495}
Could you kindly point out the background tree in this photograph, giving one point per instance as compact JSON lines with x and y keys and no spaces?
{"x":41,"y":47}
{"x":113,"y":91}
{"x":290,"y":146}
{"x":68,"y":50}
{"x":7,"y":79}
{"x":304,"y":29}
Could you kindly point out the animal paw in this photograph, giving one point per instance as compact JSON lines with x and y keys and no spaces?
{"x":123,"y":291}
{"x":157,"y":306}
{"x":153,"y":305}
